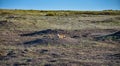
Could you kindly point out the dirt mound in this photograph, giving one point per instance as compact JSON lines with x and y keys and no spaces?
{"x":114,"y":37}
{"x":50,"y":37}
{"x":6,"y":24}
{"x":46,"y":41}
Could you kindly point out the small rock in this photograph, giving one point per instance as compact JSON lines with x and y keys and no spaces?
{"x":28,"y":60}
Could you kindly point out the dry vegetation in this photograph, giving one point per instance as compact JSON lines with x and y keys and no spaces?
{"x":30,"y":38}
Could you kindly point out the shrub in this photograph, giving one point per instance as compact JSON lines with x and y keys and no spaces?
{"x":50,"y":14}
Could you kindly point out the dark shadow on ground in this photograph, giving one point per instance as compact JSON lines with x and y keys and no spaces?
{"x":48,"y":31}
{"x":113,"y":56}
{"x":116,"y":55}
{"x":114,"y":36}
{"x":54,"y":41}
{"x":42,"y":41}
{"x":37,"y":41}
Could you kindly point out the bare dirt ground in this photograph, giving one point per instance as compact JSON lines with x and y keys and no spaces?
{"x":96,"y":44}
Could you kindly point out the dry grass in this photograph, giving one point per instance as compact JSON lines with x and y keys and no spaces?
{"x":78,"y":48}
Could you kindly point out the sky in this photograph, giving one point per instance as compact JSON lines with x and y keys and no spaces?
{"x":60,"y":4}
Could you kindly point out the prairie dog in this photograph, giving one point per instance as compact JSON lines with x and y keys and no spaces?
{"x":61,"y":36}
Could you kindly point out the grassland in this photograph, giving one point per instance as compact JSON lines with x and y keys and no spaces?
{"x":29,"y":38}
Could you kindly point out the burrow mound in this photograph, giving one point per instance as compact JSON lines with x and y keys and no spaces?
{"x":110,"y":37}
{"x":68,"y":33}
{"x":50,"y":36}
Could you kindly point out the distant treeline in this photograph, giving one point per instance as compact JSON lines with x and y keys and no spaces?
{"x":58,"y":12}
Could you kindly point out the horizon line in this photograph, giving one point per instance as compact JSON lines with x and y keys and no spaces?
{"x":57,"y":9}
